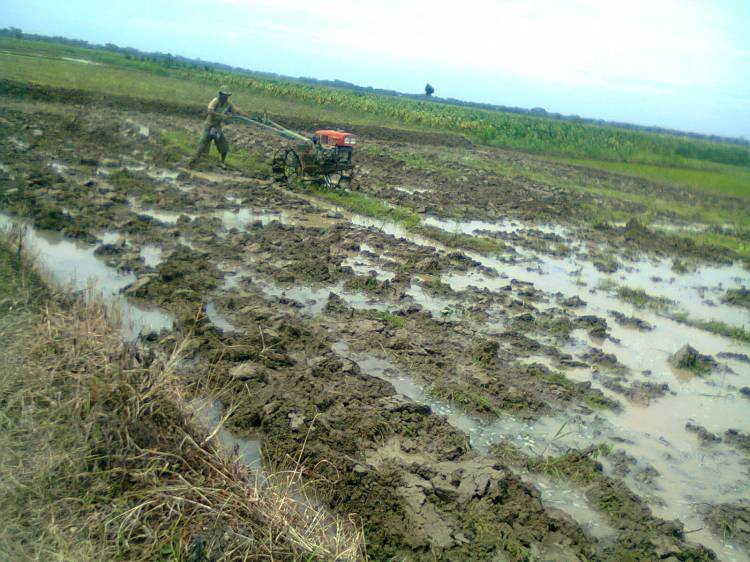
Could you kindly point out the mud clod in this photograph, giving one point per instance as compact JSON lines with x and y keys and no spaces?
{"x":703,"y":434}
{"x":688,"y":358}
{"x":731,"y":522}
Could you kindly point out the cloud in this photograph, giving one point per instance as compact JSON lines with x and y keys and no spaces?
{"x":675,"y":42}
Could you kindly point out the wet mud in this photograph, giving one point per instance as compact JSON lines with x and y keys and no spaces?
{"x":465,"y":406}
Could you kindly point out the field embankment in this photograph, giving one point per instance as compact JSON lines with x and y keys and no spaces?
{"x":102,"y":458}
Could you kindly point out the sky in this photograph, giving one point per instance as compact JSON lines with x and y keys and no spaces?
{"x":681,"y":64}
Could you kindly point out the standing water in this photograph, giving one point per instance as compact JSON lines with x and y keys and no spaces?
{"x":74,"y":264}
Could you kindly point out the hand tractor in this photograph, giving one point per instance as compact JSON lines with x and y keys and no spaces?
{"x":326,"y":157}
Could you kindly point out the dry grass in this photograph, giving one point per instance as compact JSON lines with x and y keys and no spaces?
{"x":101,"y":459}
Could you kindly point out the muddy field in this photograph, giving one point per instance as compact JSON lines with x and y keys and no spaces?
{"x":461,"y":406}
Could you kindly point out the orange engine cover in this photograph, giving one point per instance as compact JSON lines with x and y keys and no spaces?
{"x":328,"y":137}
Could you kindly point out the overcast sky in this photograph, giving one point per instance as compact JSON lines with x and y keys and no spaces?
{"x":682,"y":64}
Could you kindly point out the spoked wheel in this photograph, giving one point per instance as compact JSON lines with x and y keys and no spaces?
{"x":342,"y":179}
{"x":286,"y":165}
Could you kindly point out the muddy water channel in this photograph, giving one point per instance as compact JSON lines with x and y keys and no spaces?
{"x":75,"y":266}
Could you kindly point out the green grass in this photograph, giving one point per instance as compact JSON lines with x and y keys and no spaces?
{"x":714,"y":326}
{"x":117,"y":80}
{"x":707,"y":177}
{"x":369,"y":206}
{"x":737,"y":297}
{"x":394,"y":321}
{"x":460,"y":240}
{"x":641,"y":299}
{"x":183,"y":146}
{"x":467,"y":399}
{"x":372,"y":207}
{"x":719,"y":240}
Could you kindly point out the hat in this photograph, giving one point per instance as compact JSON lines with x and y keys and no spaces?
{"x":225,"y":91}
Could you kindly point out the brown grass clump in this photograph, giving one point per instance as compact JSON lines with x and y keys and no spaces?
{"x":100,"y":458}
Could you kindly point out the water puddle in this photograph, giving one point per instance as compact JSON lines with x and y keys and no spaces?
{"x":218,"y":320}
{"x":17,"y":143}
{"x":167,"y":217}
{"x":310,"y":300}
{"x":135,"y":167}
{"x":7,"y":171}
{"x":698,"y":293}
{"x":168,"y":176}
{"x":366,"y":263}
{"x":243,"y":217}
{"x":58,"y":167}
{"x":655,"y":435}
{"x":573,"y":502}
{"x":110,"y":237}
{"x":689,"y":474}
{"x":81,"y":61}
{"x":392,"y":229}
{"x":75,"y":265}
{"x":238,"y":217}
{"x":531,"y":437}
{"x":411,"y":190}
{"x":151,"y":255}
{"x":477,"y":227}
{"x":314,"y":300}
{"x":186,"y":242}
{"x":143,"y":130}
{"x":211,"y":414}
{"x":438,"y":307}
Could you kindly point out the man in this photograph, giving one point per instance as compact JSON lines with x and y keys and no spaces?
{"x":218,"y":109}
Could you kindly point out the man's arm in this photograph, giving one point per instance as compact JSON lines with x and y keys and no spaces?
{"x":232,"y":110}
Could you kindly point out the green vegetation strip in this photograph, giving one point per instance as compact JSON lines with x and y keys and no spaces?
{"x":409,"y":219}
{"x":666,"y":307}
{"x":713,"y":178}
{"x":530,"y":133}
{"x":714,"y":326}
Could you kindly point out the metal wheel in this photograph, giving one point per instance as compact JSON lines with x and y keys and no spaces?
{"x":286,"y":165}
{"x":341,"y":179}
{"x":332,"y":180}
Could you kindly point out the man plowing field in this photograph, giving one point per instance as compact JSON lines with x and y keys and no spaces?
{"x":327,"y":157}
{"x":219,"y":109}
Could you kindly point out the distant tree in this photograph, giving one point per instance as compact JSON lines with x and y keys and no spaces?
{"x":429,"y":90}
{"x":15,"y":32}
